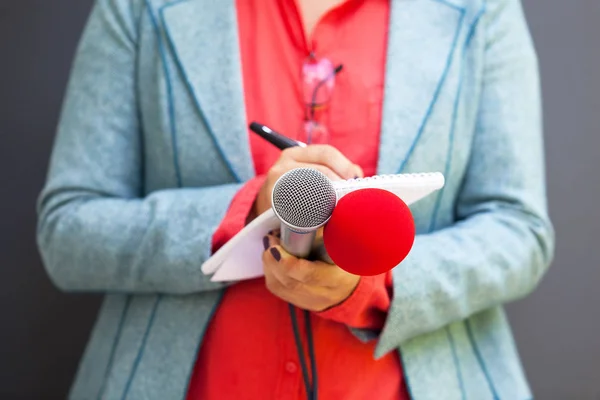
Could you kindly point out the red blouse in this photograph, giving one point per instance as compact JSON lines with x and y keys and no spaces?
{"x":248,"y":351}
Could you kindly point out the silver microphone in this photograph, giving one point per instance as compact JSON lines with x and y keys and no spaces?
{"x":303,"y":199}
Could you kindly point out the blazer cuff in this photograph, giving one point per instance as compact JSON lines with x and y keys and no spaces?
{"x":366,"y":307}
{"x":238,"y":212}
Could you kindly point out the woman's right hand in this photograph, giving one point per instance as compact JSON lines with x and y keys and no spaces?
{"x":327,"y":159}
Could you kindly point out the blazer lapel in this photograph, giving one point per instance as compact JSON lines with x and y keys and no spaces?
{"x":422,"y":38}
{"x":212,"y":71}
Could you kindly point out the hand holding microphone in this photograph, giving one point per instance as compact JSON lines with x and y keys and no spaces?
{"x":310,"y":285}
{"x":303,"y":199}
{"x":367,"y":232}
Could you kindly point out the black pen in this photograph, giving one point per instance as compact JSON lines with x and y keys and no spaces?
{"x":273,"y":137}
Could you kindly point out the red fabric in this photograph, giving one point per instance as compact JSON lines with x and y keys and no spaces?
{"x":238,"y":212}
{"x":248,"y":351}
{"x":367,"y":307}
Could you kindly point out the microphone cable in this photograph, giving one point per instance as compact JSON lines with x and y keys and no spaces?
{"x":311,"y":387}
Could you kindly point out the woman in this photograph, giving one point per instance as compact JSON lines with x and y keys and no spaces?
{"x":153,"y":169}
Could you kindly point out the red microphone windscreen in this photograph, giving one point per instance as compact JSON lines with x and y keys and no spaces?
{"x":370,"y":232}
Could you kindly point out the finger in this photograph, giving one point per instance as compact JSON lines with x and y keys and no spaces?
{"x":328,"y":172}
{"x":273,"y":284}
{"x":285,"y":165}
{"x":325,"y":155}
{"x":319,"y":235}
{"x":275,"y":236}
{"x":292,"y":271}
{"x":278,"y":262}
{"x":312,"y":273}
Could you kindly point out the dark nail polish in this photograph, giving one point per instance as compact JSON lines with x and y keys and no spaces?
{"x":276,"y":254}
{"x":355,"y":176}
{"x":278,"y":236}
{"x":270,"y":232}
{"x":266,"y":242}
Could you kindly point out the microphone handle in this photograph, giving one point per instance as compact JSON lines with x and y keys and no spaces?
{"x":296,"y":243}
{"x":303,"y":245}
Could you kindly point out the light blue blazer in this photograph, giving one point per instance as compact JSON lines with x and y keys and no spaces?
{"x":152,"y":146}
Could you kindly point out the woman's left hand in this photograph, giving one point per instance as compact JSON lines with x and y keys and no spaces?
{"x":310,"y":285}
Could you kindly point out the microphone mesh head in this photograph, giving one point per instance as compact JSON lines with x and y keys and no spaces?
{"x":304,"y":198}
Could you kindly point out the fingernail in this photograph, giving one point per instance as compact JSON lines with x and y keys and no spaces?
{"x":278,"y":235}
{"x":355,"y":176}
{"x":276,"y":254}
{"x":270,"y":232}
{"x":266,"y":242}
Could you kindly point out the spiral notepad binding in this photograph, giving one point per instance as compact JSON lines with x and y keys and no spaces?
{"x":395,"y":183}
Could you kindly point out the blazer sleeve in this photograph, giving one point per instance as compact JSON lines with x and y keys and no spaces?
{"x":96,"y":229}
{"x":503,"y":240}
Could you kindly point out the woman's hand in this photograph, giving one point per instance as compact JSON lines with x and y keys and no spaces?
{"x":310,"y":285}
{"x":324,"y":158}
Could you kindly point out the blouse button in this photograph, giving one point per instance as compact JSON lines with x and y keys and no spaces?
{"x":291,"y":367}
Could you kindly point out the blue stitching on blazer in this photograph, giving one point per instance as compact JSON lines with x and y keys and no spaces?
{"x":448,"y":159}
{"x":470,"y":34}
{"x":406,"y":378}
{"x":439,"y":196}
{"x":476,"y":20}
{"x":196,"y":350}
{"x":480,"y":360}
{"x":140,"y":353}
{"x":138,"y":106}
{"x":467,"y":323}
{"x":170,"y":101}
{"x":192,"y":91}
{"x":456,"y":363}
{"x":114,"y":346}
{"x":451,"y":5}
{"x":414,"y":143}
{"x":440,"y":83}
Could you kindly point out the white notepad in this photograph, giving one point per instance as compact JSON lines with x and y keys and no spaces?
{"x":240,"y":257}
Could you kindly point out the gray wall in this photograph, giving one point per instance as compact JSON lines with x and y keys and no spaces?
{"x":43,"y":331}
{"x":558,"y":327}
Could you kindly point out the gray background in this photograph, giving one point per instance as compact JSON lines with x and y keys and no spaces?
{"x":43,"y":331}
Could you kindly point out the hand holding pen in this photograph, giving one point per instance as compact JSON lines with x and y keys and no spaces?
{"x":327,"y":159}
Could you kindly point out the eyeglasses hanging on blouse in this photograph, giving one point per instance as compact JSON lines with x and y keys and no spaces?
{"x":318,"y":82}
